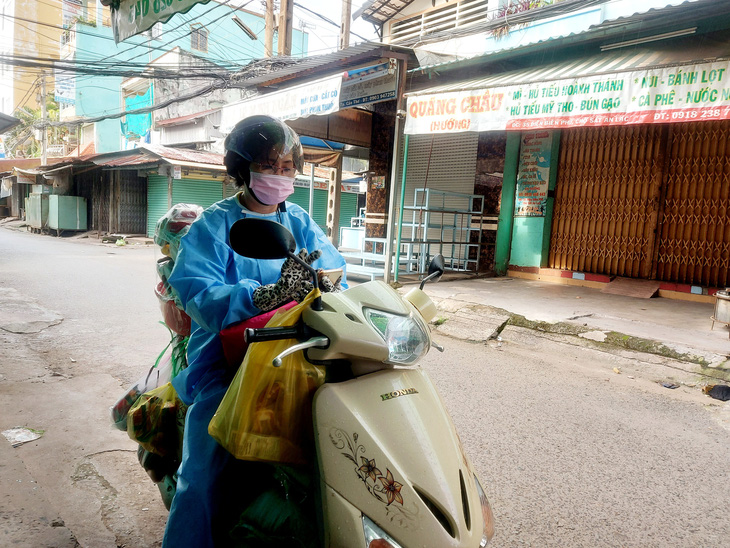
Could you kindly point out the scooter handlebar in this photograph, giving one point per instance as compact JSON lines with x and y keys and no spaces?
{"x":263,"y":334}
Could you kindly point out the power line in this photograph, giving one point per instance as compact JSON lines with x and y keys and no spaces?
{"x":165,"y":74}
{"x":185,"y":21}
{"x":27,"y":95}
{"x":192,"y":30}
{"x":330,"y":21}
{"x":223,"y":62}
{"x":57,"y":27}
{"x":144,"y":110}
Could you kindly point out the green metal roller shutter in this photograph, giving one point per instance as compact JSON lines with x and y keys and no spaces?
{"x":184,"y":191}
{"x":301,"y":198}
{"x":348,"y":205}
{"x":156,"y":201}
{"x":195,"y":191}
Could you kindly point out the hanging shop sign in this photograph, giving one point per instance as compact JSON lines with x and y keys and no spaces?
{"x":324,"y":185}
{"x":674,"y":94}
{"x":65,"y":88}
{"x":315,"y":98}
{"x":131,"y":17}
{"x":476,"y":110}
{"x":533,"y":174}
{"x":368,"y":85}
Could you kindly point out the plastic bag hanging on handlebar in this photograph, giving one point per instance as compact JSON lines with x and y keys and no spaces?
{"x":266,"y":414}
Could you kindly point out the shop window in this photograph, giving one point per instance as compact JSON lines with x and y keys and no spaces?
{"x":154,"y":32}
{"x":199,"y":38}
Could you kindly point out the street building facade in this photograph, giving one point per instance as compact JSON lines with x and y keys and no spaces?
{"x":603,"y":133}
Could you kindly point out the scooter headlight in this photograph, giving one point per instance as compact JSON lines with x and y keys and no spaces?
{"x":406,"y":337}
{"x":487,"y":515}
{"x":375,"y":537}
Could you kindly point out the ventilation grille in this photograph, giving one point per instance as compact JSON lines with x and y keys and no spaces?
{"x":465,"y":501}
{"x":439,"y":514}
{"x":447,"y":17}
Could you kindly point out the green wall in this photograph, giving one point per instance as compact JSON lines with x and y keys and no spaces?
{"x":524,"y":241}
{"x":503,"y":243}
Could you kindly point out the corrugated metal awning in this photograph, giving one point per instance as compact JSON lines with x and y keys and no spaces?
{"x":184,"y":119}
{"x":617,"y":18}
{"x":154,"y":154}
{"x":605,"y":63}
{"x":378,"y":12}
{"x":7,"y":122}
{"x":316,"y":65}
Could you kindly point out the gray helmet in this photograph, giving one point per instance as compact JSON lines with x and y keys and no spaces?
{"x":254,"y":138}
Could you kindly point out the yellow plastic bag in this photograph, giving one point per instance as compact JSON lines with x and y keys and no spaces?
{"x":156,"y":421}
{"x":266,"y":414}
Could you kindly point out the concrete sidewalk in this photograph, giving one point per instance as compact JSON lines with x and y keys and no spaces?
{"x":678,"y":329}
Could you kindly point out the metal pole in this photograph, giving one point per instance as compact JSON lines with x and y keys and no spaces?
{"x":394,"y":172}
{"x":44,"y":116}
{"x":269,"y":32}
{"x":402,"y":203}
{"x":311,"y":191}
{"x":286,"y":16}
{"x":345,"y":26}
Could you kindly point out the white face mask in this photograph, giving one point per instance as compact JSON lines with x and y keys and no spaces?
{"x":271,"y":189}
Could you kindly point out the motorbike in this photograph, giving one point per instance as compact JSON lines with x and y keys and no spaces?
{"x":390,"y":469}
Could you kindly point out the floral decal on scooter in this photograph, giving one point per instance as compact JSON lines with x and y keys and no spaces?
{"x":382,"y":487}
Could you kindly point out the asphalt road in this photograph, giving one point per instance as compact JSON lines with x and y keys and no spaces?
{"x":571,"y":453}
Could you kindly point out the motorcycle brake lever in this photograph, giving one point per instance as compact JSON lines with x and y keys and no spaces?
{"x":316,"y":342}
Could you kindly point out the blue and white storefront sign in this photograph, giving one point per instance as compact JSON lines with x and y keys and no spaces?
{"x":317,"y":98}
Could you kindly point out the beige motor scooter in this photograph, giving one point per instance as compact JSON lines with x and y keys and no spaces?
{"x":392,"y":470}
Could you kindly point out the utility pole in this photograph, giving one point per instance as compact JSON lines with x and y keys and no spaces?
{"x":44,"y":117}
{"x":345,"y":25}
{"x":269,"y":32}
{"x":286,"y":18}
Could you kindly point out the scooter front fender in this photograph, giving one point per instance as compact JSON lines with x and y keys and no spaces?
{"x":387,"y":448}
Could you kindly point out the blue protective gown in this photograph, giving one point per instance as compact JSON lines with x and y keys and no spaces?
{"x":216,"y":286}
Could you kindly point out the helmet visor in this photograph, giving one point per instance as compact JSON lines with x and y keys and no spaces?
{"x":265,"y":141}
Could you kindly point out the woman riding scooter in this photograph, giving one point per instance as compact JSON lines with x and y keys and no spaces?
{"x":220,"y":288}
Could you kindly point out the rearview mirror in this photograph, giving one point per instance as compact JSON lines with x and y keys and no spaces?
{"x":435,"y":270}
{"x":261,"y":239}
{"x":436,"y":267}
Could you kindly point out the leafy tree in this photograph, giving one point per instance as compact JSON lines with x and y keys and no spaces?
{"x":24,"y":140}
{"x":514,"y":7}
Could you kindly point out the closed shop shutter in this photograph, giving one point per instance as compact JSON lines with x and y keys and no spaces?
{"x":156,"y":201}
{"x":444,"y":162}
{"x":348,"y":205}
{"x":197,"y":191}
{"x":625,"y":207}
{"x":319,"y":212}
{"x":694,"y":238}
{"x":133,"y":203}
{"x":186,"y":191}
{"x":606,"y":200}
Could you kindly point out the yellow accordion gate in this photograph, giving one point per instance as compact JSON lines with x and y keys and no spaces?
{"x":649,"y":201}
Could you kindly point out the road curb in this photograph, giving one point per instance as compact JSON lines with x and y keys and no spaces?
{"x":483,"y":323}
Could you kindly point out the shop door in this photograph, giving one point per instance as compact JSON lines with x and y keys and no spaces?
{"x":694,"y":238}
{"x":607,"y":200}
{"x":156,"y":201}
